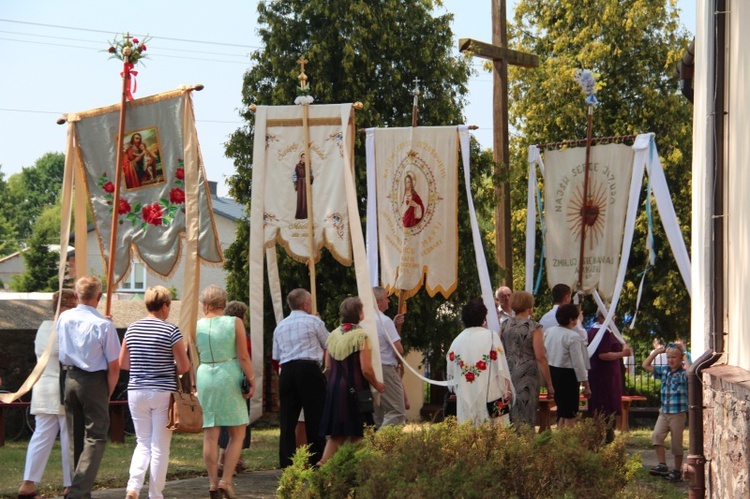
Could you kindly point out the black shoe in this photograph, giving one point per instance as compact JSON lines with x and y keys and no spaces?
{"x":660,"y":470}
{"x":674,"y":476}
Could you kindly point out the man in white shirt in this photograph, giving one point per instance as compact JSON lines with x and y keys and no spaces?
{"x":392,"y":408}
{"x":561,"y":295}
{"x":89,"y":350}
{"x":502,"y":297}
{"x":298,"y":345}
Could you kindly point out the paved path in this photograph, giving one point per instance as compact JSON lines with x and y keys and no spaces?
{"x":255,"y":485}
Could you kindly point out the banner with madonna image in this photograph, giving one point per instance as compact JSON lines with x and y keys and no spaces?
{"x":159,"y":145}
{"x":416,"y":181}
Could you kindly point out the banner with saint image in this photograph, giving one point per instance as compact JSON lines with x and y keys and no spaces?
{"x":280,"y":166}
{"x":601,"y":212}
{"x":417,"y":190}
{"x":159,"y":146}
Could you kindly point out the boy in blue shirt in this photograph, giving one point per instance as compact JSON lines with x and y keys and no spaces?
{"x":674,"y":407}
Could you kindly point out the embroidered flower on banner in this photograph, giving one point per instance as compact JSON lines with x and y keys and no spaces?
{"x":160,"y":213}
{"x":472,"y":372}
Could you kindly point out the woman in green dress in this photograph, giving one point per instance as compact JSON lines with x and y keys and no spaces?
{"x":222,"y":348}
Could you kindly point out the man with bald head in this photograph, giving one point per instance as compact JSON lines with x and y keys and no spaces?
{"x":502,"y":298}
{"x":298,"y":345}
{"x":89,"y":351}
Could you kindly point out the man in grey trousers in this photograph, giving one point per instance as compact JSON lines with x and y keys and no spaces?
{"x":392,"y":409}
{"x":89,"y":353}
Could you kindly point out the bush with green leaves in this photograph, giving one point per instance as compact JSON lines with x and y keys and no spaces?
{"x":451,"y":460}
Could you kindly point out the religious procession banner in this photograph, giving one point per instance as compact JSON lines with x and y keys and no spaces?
{"x":160,"y":153}
{"x":279,"y":207}
{"x":285,"y":217}
{"x":416,"y":171}
{"x":600,"y":212}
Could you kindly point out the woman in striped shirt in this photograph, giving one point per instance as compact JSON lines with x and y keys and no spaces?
{"x":150,"y":348}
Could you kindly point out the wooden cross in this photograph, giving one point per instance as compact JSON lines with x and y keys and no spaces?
{"x":500,"y":56}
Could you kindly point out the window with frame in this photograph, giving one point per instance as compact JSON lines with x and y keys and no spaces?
{"x":136,"y":280}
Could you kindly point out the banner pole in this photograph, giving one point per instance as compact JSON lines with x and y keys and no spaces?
{"x":414,"y":117}
{"x":585,"y":203}
{"x":308,"y":188}
{"x":126,"y":67}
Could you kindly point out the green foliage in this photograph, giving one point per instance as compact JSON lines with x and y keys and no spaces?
{"x":450,"y":460}
{"x":368,"y":51}
{"x":633,"y":46}
{"x":33,"y":190}
{"x":41,"y":266}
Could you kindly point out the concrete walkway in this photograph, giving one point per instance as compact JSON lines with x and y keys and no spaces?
{"x":255,"y":485}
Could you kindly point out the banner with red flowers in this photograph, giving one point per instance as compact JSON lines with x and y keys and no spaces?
{"x":152,"y":198}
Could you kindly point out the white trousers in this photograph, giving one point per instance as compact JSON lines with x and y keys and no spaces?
{"x":40,"y":446}
{"x":148,"y":408}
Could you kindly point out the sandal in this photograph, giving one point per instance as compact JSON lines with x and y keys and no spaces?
{"x":213,"y":492}
{"x":226,"y":491}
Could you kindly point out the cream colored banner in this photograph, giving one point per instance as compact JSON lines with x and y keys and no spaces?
{"x":285,"y":214}
{"x":600,"y":214}
{"x":417,"y":186}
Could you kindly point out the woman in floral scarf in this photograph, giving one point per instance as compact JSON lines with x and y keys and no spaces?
{"x":350,"y":357}
{"x":477,"y":366}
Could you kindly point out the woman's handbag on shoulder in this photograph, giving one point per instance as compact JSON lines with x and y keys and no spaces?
{"x":185,"y":413}
{"x":498,"y":407}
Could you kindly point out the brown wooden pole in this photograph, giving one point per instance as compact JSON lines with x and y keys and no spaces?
{"x":310,"y":222}
{"x":501,"y":151}
{"x":118,"y":176}
{"x":584,"y":207}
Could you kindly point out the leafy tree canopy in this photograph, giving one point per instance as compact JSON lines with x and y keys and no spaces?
{"x":368,"y":51}
{"x":633,"y":46}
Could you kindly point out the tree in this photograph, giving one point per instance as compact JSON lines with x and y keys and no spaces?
{"x":41,"y":262}
{"x":34,"y":189}
{"x":368,"y":51}
{"x":633,"y":46}
{"x":8,"y":233}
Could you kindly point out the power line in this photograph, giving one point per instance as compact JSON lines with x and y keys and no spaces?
{"x":115,"y":32}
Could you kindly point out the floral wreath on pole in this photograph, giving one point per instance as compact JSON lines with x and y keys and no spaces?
{"x":130,"y":51}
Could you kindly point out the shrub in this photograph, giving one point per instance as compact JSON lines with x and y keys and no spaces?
{"x":451,"y":460}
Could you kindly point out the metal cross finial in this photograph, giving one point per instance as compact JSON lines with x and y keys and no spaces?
{"x":415,"y":90}
{"x":302,"y":76}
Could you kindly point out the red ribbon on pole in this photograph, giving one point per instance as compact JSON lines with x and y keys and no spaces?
{"x":127,"y":72}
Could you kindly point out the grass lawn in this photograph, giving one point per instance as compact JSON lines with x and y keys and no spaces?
{"x":185,"y":461}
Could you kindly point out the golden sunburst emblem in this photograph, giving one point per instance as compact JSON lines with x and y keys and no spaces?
{"x":588,"y":212}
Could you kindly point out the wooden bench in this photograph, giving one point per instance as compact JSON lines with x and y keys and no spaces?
{"x":116,"y":419}
{"x":546,"y":406}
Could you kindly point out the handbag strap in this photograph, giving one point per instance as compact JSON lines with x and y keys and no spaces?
{"x":489,"y":372}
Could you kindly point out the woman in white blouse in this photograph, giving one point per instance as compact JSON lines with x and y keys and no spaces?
{"x":47,"y":407}
{"x":567,"y":355}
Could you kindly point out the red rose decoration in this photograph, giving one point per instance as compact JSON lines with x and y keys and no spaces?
{"x":152,"y":214}
{"x":143,"y":48}
{"x":493,"y":354}
{"x":482,"y":365}
{"x":135,"y":40}
{"x":461,"y":363}
{"x":470,"y":377}
{"x":109,"y":187}
{"x":346,"y":327}
{"x":176,"y":196}
{"x":452,"y":356}
{"x":124,"y":207}
{"x":112,"y":50}
{"x":180,"y":173}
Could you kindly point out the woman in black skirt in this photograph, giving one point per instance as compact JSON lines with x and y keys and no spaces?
{"x":566,"y":354}
{"x":351,"y":368}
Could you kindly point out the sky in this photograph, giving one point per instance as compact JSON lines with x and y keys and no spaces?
{"x":54,"y":61}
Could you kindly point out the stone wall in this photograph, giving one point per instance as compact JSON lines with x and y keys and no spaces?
{"x":726,"y":420}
